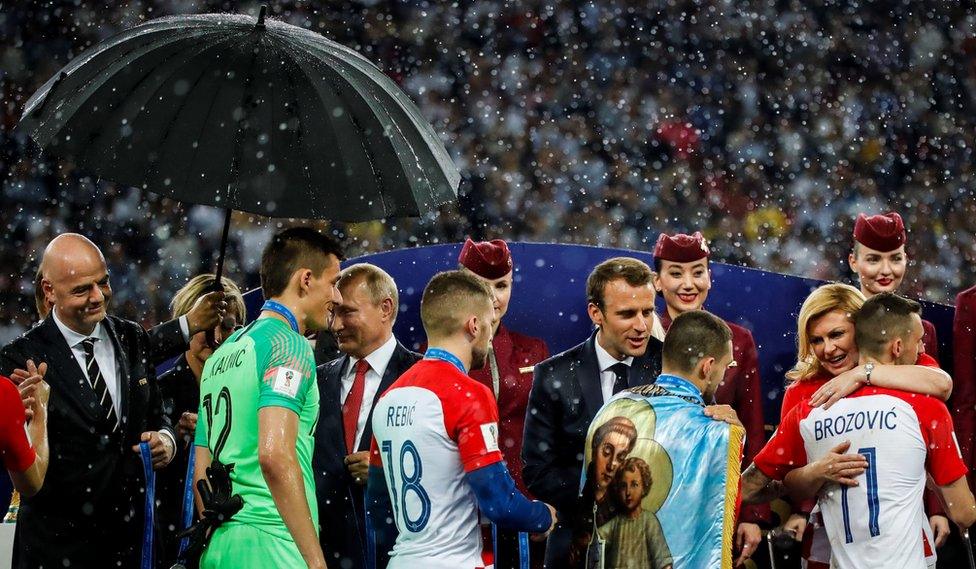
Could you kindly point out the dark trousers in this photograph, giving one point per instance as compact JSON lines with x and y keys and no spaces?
{"x":507,"y":551}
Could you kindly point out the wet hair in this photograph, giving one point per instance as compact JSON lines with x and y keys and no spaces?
{"x":822,"y":300}
{"x":294,"y":249}
{"x":449,"y":299}
{"x":693,"y":336}
{"x":633,"y":271}
{"x":883,"y":318}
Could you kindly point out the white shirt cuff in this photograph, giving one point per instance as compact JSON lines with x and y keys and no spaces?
{"x":185,"y":328}
{"x":172,"y":440}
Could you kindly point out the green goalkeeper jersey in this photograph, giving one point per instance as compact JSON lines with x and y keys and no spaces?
{"x":266,"y":364}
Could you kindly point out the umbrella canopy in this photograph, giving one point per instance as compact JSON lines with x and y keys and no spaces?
{"x":234,"y":112}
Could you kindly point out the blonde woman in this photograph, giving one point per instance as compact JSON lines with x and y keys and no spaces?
{"x":181,"y":398}
{"x":826,"y":370}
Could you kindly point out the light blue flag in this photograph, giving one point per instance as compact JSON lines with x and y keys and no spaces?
{"x":662,"y":480}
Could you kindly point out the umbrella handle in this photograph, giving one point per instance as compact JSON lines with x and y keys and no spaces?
{"x":218,"y":275}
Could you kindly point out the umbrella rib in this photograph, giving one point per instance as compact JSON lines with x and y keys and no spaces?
{"x":380,"y":186}
{"x":310,"y":195}
{"x":235,"y":161}
{"x":203,"y":123}
{"x":162,"y":84}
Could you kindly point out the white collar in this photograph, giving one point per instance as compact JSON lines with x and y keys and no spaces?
{"x":604,"y":359}
{"x":74,"y":338}
{"x":380,"y":358}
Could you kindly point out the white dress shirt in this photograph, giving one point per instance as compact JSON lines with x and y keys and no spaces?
{"x":104,"y":352}
{"x":378,"y":362}
{"x":605,"y":361}
{"x":104,"y":356}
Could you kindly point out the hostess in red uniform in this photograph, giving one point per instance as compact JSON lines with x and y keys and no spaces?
{"x":508,"y":373}
{"x":963,"y":403}
{"x":879,"y":260}
{"x":683,"y":279}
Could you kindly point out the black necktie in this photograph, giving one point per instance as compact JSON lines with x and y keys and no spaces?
{"x":619,"y":370}
{"x":97,"y":383}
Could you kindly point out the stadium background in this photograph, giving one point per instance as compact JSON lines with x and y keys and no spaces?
{"x":766,"y":124}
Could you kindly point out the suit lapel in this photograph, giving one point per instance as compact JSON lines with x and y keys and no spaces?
{"x":588,"y":375}
{"x":70,"y":381}
{"x":393,"y":370}
{"x":334,"y":391}
{"x":122,"y":368}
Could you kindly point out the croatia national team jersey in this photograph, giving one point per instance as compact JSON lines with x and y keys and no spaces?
{"x":430,"y":428}
{"x":902,"y":435}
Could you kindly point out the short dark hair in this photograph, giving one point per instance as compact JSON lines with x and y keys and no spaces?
{"x":695,"y":335}
{"x":448,"y":300}
{"x":882,"y":318}
{"x":293,"y":249}
{"x":635,"y":272}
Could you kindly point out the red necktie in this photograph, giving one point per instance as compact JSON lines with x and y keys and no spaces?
{"x":354,"y":401}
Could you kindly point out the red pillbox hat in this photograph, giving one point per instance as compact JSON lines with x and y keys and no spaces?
{"x":681,"y":248}
{"x":487,"y":259}
{"x":884,"y":232}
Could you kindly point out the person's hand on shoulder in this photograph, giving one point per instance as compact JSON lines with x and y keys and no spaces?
{"x":723,"y":413}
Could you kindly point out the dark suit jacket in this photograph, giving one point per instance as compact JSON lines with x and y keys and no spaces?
{"x":167,"y":341}
{"x":341,"y":501}
{"x":89,"y":511}
{"x":565,"y":397}
{"x":181,"y":393}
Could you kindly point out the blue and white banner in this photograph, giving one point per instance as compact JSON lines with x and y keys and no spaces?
{"x":662,"y":481}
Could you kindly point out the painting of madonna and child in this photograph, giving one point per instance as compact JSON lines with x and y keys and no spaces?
{"x":659,"y":484}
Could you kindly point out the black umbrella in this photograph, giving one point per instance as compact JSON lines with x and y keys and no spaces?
{"x":243,"y":113}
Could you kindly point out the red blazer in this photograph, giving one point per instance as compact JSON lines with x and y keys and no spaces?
{"x":516,"y":355}
{"x":930,"y":340}
{"x":742,"y":390}
{"x":964,"y":370}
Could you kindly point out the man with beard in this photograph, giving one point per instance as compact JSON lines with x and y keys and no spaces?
{"x":684,"y":279}
{"x":434,"y":458}
{"x":569,"y":388}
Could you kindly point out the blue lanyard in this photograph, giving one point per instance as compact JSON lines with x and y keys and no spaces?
{"x":279,"y":308}
{"x":149,"y":513}
{"x":445,"y":356}
{"x":188,"y":498}
{"x":523,"y":546}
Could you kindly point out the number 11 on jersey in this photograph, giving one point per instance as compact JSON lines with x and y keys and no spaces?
{"x":874,"y":506}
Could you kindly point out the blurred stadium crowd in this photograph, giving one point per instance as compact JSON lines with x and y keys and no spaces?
{"x":766,"y":124}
